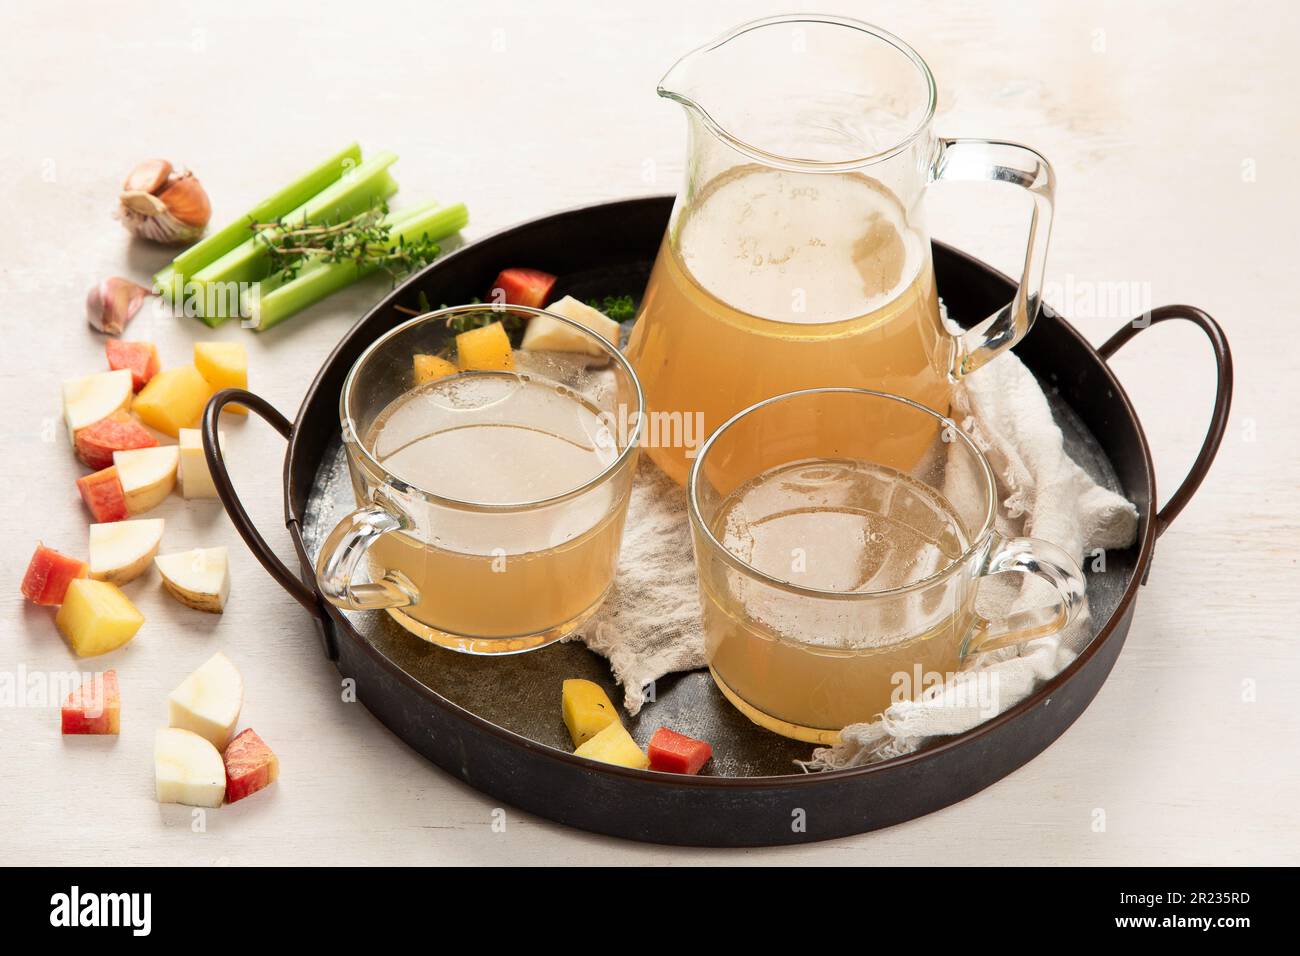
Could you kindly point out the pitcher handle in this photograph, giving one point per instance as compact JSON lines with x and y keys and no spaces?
{"x":990,"y":160}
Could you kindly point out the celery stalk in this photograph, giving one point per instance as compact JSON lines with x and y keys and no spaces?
{"x":398,"y":217}
{"x":321,"y":279}
{"x":216,"y":245}
{"x":365,"y":187}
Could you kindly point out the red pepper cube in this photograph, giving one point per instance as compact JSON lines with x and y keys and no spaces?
{"x":672,"y":752}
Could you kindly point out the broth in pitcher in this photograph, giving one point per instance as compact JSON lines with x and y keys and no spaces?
{"x":778,"y":281}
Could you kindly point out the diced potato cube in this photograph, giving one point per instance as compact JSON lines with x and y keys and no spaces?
{"x":485,"y":349}
{"x":96,"y":617}
{"x":148,"y":475}
{"x":587,"y":710}
{"x":546,"y":334}
{"x":88,"y":399}
{"x":431,"y":368}
{"x":208,"y":701}
{"x":173,"y":399}
{"x":187,"y":769}
{"x":196,"y":479}
{"x":615,"y":745}
{"x":224,"y":365}
{"x":198,"y":578}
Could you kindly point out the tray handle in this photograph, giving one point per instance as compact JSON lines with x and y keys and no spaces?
{"x":226,"y":491}
{"x":1222,"y":396}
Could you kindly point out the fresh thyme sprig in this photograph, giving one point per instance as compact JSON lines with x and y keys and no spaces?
{"x":365,"y":239}
{"x":620,"y":308}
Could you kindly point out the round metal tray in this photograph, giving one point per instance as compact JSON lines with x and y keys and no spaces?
{"x":495,"y":722}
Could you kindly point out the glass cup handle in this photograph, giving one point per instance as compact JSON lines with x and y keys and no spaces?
{"x":984,"y":159}
{"x":343,"y":550}
{"x":1047,"y":561}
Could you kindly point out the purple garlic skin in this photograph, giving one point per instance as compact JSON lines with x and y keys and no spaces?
{"x":113,"y":303}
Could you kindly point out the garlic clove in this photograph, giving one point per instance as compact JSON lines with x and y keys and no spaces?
{"x":164,"y":204}
{"x":146,"y":204}
{"x":113,"y":303}
{"x":148,"y":176}
{"x":187,"y":201}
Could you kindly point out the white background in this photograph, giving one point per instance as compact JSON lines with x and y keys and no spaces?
{"x":1173,"y":131}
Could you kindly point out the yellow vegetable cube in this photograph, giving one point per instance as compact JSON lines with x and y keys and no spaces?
{"x":485,"y":349}
{"x":173,"y":399}
{"x":224,"y":365}
{"x":431,"y":368}
{"x":587,"y":710}
{"x":96,"y":617}
{"x":615,"y":745}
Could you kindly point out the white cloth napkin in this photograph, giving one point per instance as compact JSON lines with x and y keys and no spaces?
{"x":650,"y":627}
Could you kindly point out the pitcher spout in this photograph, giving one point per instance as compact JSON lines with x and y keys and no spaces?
{"x":679,"y":83}
{"x":805,"y":91}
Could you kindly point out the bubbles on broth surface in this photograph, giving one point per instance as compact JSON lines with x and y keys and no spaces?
{"x":845,"y":526}
{"x":468,"y":391}
{"x":492,"y":438}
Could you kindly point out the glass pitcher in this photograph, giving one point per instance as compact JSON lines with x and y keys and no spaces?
{"x":797,"y":255}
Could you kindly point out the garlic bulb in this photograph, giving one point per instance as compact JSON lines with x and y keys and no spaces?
{"x":163,"y":204}
{"x":113,"y":303}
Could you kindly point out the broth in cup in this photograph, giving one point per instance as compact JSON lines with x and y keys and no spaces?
{"x":493,"y":490}
{"x":838,"y":574}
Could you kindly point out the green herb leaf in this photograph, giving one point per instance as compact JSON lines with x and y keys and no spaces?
{"x":620,"y":308}
{"x":364,"y":239}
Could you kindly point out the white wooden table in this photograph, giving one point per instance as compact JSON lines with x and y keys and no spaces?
{"x":1175,"y":143}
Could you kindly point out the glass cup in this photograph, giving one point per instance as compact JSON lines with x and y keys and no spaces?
{"x":837,"y":574}
{"x":490,"y":499}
